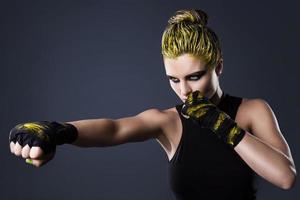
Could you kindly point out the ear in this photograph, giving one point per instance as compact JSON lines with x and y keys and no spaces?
{"x":219,"y":67}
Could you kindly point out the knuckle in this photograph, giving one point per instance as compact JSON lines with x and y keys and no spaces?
{"x":17,"y":152}
{"x":24,"y":153}
{"x":24,"y":156}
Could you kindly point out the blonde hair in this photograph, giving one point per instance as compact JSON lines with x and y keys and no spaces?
{"x":187,"y":32}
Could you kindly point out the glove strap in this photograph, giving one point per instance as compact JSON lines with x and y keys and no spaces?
{"x":66,"y":133}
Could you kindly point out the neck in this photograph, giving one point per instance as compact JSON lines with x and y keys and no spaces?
{"x":216,"y":98}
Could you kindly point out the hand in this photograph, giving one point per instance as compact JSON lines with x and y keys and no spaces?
{"x":34,"y":155}
{"x":208,"y":115}
{"x":38,"y":140}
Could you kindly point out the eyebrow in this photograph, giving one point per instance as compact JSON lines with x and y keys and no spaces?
{"x":194,"y":73}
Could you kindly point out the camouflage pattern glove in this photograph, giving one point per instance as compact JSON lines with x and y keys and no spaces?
{"x":208,"y":115}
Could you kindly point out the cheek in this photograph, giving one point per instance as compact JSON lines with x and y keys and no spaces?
{"x":173,"y":86}
{"x":205,"y":85}
{"x":212,"y":85}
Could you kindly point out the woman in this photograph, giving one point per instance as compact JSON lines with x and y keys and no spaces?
{"x":214,"y":141}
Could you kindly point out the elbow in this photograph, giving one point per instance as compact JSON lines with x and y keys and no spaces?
{"x":289,"y":181}
{"x":289,"y":184}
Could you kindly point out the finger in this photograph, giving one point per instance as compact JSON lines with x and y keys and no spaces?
{"x":12,"y":147}
{"x":18,"y":149}
{"x":40,"y":162}
{"x":25,"y":151}
{"x":36,"y":163}
{"x":36,"y":153}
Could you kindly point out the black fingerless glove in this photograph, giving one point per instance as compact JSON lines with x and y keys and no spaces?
{"x":45,"y":134}
{"x":208,"y":115}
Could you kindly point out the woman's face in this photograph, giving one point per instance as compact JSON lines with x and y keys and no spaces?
{"x":187,"y":74}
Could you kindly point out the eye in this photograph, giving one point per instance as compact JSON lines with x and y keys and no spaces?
{"x":174,"y":80}
{"x":194,"y":78}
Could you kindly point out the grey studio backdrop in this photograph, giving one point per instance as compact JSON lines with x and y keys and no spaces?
{"x":72,"y":60}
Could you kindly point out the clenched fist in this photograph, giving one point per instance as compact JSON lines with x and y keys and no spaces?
{"x":208,"y":115}
{"x":36,"y":141}
{"x":33,"y":155}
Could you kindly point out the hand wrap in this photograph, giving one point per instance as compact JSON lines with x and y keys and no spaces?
{"x":208,"y":115}
{"x":44,"y":134}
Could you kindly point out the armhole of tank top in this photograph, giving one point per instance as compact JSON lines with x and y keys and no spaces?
{"x":236,"y":103}
{"x":175,"y":156}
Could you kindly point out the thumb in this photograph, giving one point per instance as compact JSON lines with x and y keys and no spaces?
{"x":40,"y":162}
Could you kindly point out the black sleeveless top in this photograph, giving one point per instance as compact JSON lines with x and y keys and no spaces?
{"x":203,"y":167}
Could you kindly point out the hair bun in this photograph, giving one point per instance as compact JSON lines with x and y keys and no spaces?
{"x":192,"y":16}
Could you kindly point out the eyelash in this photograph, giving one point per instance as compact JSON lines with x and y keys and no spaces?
{"x":198,"y":77}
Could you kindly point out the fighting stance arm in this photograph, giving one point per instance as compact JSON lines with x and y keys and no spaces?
{"x":109,"y":132}
{"x":261,"y":145}
{"x":36,"y":141}
{"x":265,"y":150}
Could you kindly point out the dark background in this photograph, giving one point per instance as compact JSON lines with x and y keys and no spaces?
{"x":72,"y":60}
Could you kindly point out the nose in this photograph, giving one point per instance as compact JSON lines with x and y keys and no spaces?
{"x":185,"y":89}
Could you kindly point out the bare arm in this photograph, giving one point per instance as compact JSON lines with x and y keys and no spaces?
{"x":265,"y":150}
{"x":100,"y":133}
{"x":109,"y":132}
{"x":94,"y":132}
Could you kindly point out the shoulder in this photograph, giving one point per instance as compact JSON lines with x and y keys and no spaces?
{"x":260,"y":113}
{"x":262,"y":120}
{"x":158,"y":115}
{"x":254,"y":103}
{"x":252,"y":111}
{"x":162,"y":118}
{"x":264,"y":124}
{"x":256,"y":108}
{"x":150,"y":123}
{"x":170,"y":125}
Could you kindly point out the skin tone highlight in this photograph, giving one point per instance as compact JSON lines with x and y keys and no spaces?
{"x":188,"y":73}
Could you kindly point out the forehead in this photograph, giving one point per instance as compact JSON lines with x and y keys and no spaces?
{"x":183,"y":65}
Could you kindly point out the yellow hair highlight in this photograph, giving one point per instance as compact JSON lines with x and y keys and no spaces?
{"x":187,"y":32}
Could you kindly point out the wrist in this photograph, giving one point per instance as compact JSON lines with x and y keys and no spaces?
{"x":235,"y":135}
{"x":224,"y":127}
{"x":66,"y":133}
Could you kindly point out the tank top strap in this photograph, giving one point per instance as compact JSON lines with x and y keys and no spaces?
{"x":230,"y":104}
{"x":178,"y":108}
